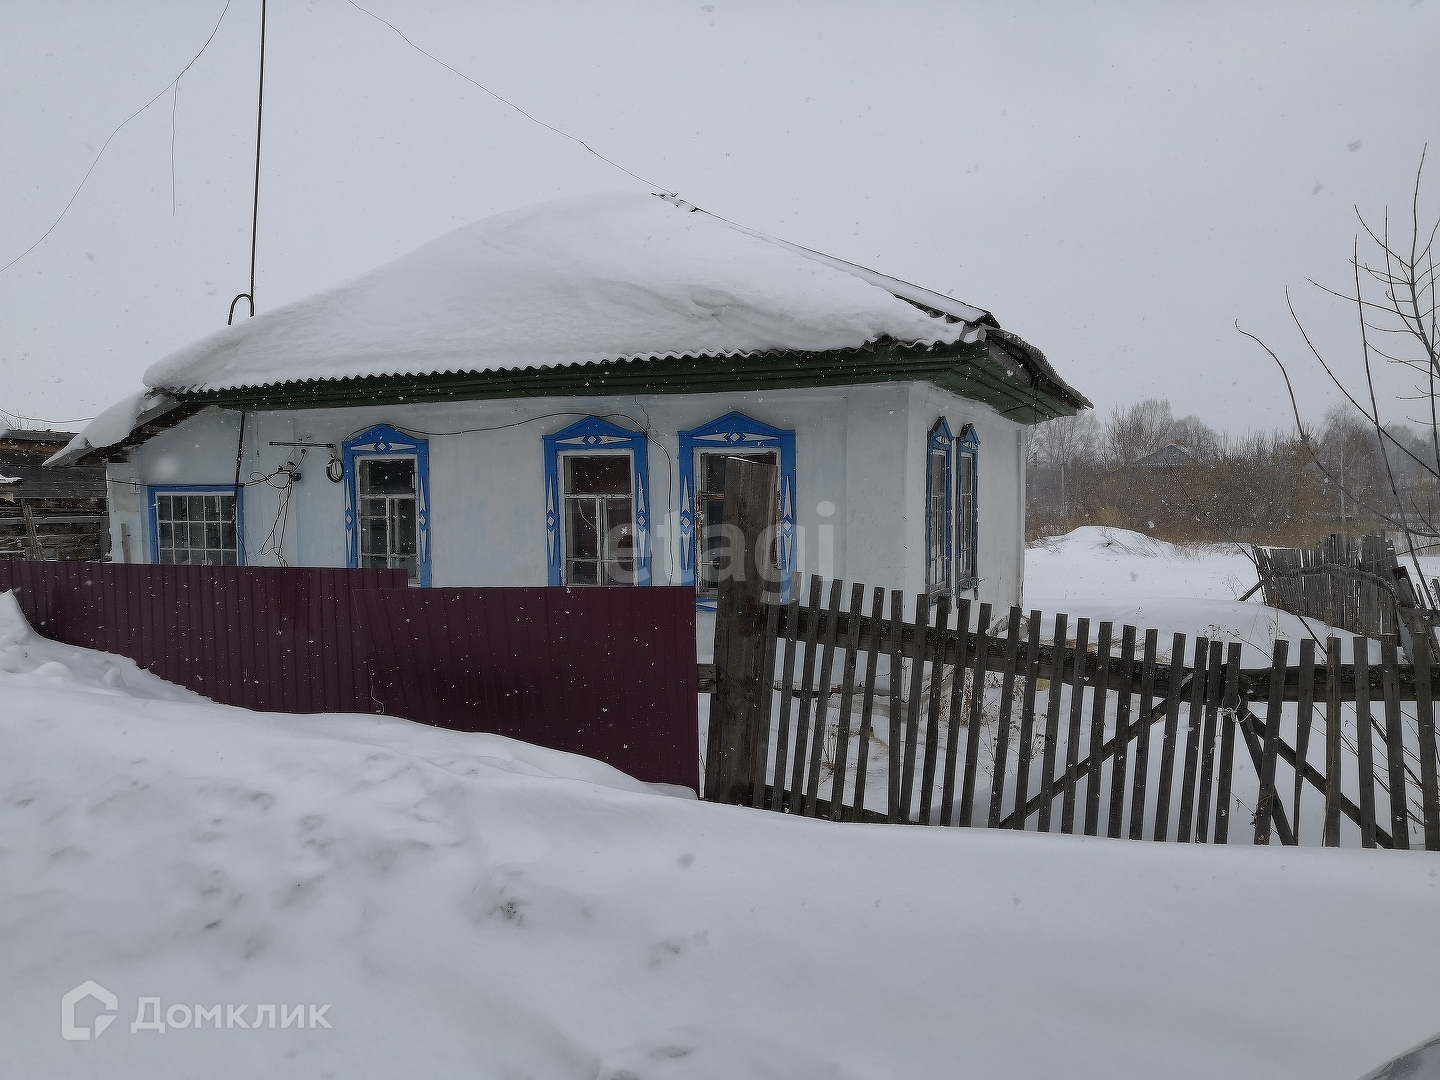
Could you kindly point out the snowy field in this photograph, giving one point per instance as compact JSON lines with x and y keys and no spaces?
{"x":469,"y":906}
{"x":1128,"y":578}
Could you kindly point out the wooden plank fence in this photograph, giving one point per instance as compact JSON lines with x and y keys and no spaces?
{"x":957,"y":719}
{"x":1355,"y":583}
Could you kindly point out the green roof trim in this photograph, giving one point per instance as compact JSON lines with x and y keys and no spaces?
{"x":1014,"y":385}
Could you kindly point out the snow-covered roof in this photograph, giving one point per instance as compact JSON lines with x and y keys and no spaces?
{"x":577,"y":281}
{"x":115,"y":424}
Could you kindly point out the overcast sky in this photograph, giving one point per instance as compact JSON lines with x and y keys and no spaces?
{"x":1118,"y":182}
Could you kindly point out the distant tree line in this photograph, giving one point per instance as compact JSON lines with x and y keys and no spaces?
{"x":1267,"y":487}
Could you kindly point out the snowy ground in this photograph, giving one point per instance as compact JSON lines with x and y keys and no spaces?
{"x":470,"y":906}
{"x":1126,"y":577}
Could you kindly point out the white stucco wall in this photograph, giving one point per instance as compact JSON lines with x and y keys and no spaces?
{"x":859,"y":449}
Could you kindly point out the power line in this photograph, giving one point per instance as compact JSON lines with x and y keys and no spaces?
{"x":511,"y":104}
{"x":8,"y":416}
{"x":173,"y":82}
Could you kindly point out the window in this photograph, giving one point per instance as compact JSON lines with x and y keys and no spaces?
{"x":938,"y":509}
{"x":599,"y":520}
{"x":597,"y":505}
{"x":194,"y":526}
{"x":702,"y":487}
{"x":710,"y":512}
{"x":387,"y":502}
{"x":966,"y":484}
{"x":389,"y":539}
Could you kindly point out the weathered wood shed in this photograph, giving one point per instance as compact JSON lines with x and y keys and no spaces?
{"x":49,"y":514}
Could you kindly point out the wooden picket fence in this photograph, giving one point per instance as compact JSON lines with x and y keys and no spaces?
{"x":946,"y":721}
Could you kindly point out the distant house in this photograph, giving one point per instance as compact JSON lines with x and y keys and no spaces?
{"x":49,"y":513}
{"x":1166,"y":457}
{"x":550,"y":395}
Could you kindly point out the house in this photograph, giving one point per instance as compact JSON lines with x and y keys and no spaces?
{"x":549,"y":396}
{"x":50,"y":514}
{"x":1170,"y":456}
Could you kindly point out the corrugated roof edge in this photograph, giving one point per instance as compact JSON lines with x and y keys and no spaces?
{"x":584,"y":361}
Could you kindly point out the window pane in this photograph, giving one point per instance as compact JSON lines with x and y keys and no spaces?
{"x":620,"y":530}
{"x":212,"y":535}
{"x":583,"y":572}
{"x":197,"y":507}
{"x":608,"y":475}
{"x":167,"y":539}
{"x":620,"y":572}
{"x":410,"y":566}
{"x":967,"y":472}
{"x":227,"y":537}
{"x":582,"y":531}
{"x":403,"y":531}
{"x":177,"y":505}
{"x":390,"y":477}
{"x":372,"y":537}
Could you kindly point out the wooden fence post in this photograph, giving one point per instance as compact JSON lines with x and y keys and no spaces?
{"x":1264,"y":810}
{"x":1421,"y":635}
{"x":1332,"y":743}
{"x":739,"y":639}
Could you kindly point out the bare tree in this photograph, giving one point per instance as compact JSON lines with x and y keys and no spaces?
{"x":1065,"y":440}
{"x":1197,"y":436}
{"x":1137,"y":430}
{"x":1393,"y":293}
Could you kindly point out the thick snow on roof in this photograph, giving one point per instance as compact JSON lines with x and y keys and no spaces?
{"x":114,"y":425}
{"x":580,"y":280}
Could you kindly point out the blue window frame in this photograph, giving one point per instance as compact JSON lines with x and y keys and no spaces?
{"x":737,"y":434}
{"x":387,"y":502}
{"x":967,"y":489}
{"x":597,"y":526}
{"x":939,"y":510}
{"x":196,"y":525}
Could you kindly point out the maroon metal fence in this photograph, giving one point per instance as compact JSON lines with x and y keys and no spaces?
{"x":275,"y":639}
{"x":608,"y":673}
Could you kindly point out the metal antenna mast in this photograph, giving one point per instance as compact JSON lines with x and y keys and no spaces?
{"x":255,"y":207}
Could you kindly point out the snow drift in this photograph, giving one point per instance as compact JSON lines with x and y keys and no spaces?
{"x":469,"y":906}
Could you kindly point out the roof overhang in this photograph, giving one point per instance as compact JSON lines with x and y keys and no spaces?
{"x":1002,"y":375}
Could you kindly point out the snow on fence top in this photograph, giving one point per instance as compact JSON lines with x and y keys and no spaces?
{"x":576,"y":281}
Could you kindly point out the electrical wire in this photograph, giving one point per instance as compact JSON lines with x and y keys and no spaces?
{"x":274,"y":542}
{"x":172,"y":83}
{"x":511,"y":104}
{"x":645,"y":429}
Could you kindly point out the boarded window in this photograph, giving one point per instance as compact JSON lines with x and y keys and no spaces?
{"x":713,"y":551}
